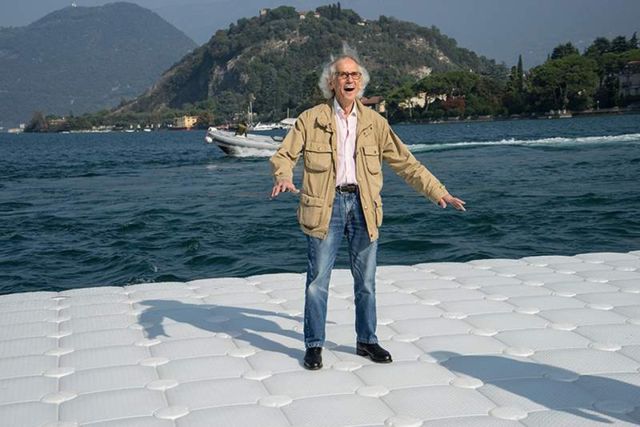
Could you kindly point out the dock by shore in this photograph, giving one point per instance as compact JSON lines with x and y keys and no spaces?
{"x":537,"y":341}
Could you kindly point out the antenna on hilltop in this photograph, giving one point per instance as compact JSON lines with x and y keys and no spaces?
{"x":74,"y":4}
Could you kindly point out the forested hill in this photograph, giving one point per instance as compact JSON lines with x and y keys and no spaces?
{"x":81,"y":59}
{"x":274,"y":60}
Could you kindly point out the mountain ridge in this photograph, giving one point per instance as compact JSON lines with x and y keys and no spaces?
{"x":273,"y":61}
{"x":81,"y":59}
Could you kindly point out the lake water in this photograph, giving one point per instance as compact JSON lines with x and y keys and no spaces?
{"x":81,"y":210}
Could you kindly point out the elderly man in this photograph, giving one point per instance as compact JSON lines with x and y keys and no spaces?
{"x":344,"y":144}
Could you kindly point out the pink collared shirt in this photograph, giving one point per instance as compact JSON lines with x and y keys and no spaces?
{"x":346,"y":167}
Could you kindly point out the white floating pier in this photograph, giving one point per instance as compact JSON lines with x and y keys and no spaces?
{"x":539,"y":341}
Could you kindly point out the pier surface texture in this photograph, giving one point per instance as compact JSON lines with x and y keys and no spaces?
{"x":538,"y":341}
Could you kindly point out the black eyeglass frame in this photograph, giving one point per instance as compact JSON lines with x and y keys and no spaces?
{"x":344,"y":75}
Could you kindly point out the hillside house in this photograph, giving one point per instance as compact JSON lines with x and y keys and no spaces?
{"x":377,"y":103}
{"x":630,"y":79}
{"x":419,"y":100}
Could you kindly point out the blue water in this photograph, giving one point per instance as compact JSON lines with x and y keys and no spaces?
{"x":82,"y":210}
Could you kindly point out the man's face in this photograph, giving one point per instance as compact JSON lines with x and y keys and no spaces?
{"x":345,"y":87}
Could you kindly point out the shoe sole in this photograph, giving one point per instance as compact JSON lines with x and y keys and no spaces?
{"x":313,"y":368}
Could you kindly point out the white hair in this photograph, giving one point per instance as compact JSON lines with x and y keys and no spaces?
{"x":329,"y":69}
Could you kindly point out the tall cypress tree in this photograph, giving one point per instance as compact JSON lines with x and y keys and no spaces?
{"x":633,"y":41}
{"x":619,"y":44}
{"x":520,"y":76}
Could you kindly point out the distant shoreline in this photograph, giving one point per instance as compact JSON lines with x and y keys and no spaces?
{"x":572,"y":115}
{"x":569,"y":115}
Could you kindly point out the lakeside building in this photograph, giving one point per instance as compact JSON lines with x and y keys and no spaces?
{"x":185,"y":122}
{"x":432,"y":98}
{"x":58,"y":122}
{"x":630,"y":79}
{"x":377,"y":103}
{"x":424,"y":99}
{"x":19,"y":129}
{"x":415,"y":101}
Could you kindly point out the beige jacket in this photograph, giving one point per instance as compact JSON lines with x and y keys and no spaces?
{"x":315,"y":135}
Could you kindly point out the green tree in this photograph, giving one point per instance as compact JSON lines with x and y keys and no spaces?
{"x":563,"y":50}
{"x":205,"y":119}
{"x":395,"y":97}
{"x":38,"y":123}
{"x":468,"y":94}
{"x":79,"y":123}
{"x":569,"y":82}
{"x":608,"y":94}
{"x":619,"y":44}
{"x":228,"y":105}
{"x":600,"y":46}
{"x":519,"y":75}
{"x":633,"y":41}
{"x":282,"y":12}
{"x":514,"y":99}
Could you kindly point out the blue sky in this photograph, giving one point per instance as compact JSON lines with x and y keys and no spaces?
{"x":498,"y":29}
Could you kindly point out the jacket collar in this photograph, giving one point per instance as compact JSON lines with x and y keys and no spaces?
{"x":326,"y":118}
{"x":365,"y":118}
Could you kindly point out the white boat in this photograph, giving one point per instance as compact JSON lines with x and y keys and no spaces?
{"x":287,"y":123}
{"x":242,"y":145}
{"x":265,"y":126}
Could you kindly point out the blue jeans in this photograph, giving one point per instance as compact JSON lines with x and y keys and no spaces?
{"x":346,"y":219}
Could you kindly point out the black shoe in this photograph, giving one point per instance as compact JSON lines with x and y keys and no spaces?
{"x":374,"y":351}
{"x":313,"y":358}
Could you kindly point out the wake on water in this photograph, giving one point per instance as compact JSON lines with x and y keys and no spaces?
{"x":548,"y":142}
{"x":254,"y":152}
{"x":556,"y":141}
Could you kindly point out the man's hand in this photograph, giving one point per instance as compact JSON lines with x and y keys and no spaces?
{"x":283,"y":187}
{"x":453,"y":201}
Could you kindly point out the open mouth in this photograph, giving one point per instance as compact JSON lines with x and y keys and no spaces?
{"x":349,"y":88}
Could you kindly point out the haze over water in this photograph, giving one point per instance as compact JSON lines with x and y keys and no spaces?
{"x":81,"y":210}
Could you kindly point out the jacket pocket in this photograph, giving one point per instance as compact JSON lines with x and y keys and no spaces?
{"x":372,"y":158}
{"x":310,"y":210}
{"x":378,"y":205}
{"x":317,"y":157}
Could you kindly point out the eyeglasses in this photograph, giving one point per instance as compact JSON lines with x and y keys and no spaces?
{"x":344,"y":75}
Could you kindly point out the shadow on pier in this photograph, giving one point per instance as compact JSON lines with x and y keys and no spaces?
{"x":245,"y":324}
{"x":537,"y":384}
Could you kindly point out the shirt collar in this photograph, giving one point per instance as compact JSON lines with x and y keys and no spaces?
{"x":340,"y":111}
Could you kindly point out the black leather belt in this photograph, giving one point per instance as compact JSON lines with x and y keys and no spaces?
{"x":347,"y":188}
